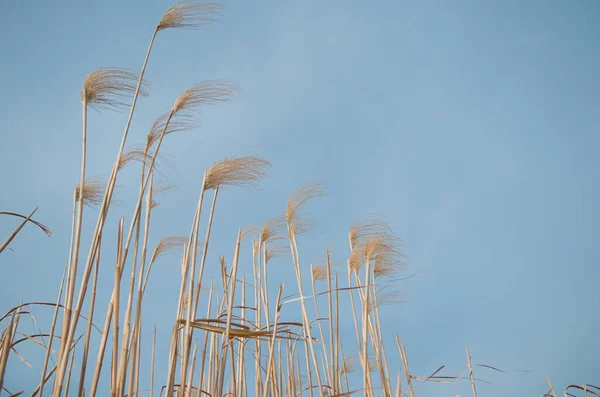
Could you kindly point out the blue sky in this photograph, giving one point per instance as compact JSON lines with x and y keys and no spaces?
{"x":471,"y":126}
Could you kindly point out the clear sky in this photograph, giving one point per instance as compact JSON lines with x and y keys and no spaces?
{"x":471,"y":126}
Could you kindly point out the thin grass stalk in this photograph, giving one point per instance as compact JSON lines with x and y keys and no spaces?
{"x":404,"y":359}
{"x":101,"y":218}
{"x":152,"y":363}
{"x":272,"y":341}
{"x":118,"y":272}
{"x":318,"y":314}
{"x":72,"y":273}
{"x":191,"y":306}
{"x":88,"y":331}
{"x":142,"y":278}
{"x":188,"y":390}
{"x":295,"y":256}
{"x":230,"y":300}
{"x":6,"y":342}
{"x":45,"y":380}
{"x":138,"y":357}
{"x":106,"y":331}
{"x":333,"y":367}
{"x":337,"y":331}
{"x":52,"y":329}
{"x":471,"y":372}
{"x":241,"y":347}
{"x":308,"y":369}
{"x":68,"y":381}
{"x":551,"y":387}
{"x":16,"y":231}
{"x":258,"y":303}
{"x":202,"y":365}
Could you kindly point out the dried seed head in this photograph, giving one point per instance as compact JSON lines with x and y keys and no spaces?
{"x":93,"y":193}
{"x":181,"y":123}
{"x":209,"y":92}
{"x":376,"y":243}
{"x":349,"y":365}
{"x":319,"y":273}
{"x":189,"y":14}
{"x":167,"y":245}
{"x":297,"y":199}
{"x":276,"y":251}
{"x":107,"y":88}
{"x":272,"y":229}
{"x":136,"y":154}
{"x":236,"y":171}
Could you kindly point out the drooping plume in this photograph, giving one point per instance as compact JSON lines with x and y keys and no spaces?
{"x":191,"y":15}
{"x":374,"y":241}
{"x":272,"y":229}
{"x":93,"y":193}
{"x":108,"y":88}
{"x":182,"y":123}
{"x":209,"y":92}
{"x":296,"y":220}
{"x":236,"y":171}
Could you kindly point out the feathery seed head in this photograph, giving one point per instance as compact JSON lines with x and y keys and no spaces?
{"x":93,"y":193}
{"x":108,"y":88}
{"x":209,"y":92}
{"x":181,"y":123}
{"x":296,"y":201}
{"x":168,"y":244}
{"x":275,"y":251}
{"x":376,"y":243}
{"x":188,"y":14}
{"x":136,"y":154}
{"x":236,"y":171}
{"x":319,"y":273}
{"x":272,"y":229}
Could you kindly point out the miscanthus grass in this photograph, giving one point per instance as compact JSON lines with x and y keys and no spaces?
{"x":240,"y":341}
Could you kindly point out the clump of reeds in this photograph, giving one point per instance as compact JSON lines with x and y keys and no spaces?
{"x":239,"y":342}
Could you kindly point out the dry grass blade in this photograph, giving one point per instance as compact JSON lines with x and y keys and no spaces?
{"x":187,"y":14}
{"x":296,"y":201}
{"x":107,"y":88}
{"x":209,"y":92}
{"x":44,"y":228}
{"x":93,"y":193}
{"x":16,"y":231}
{"x":236,"y":171}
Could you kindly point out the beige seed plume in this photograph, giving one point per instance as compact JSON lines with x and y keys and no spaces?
{"x":167,"y":245}
{"x":93,"y":193}
{"x":374,"y":241}
{"x":136,"y":154}
{"x":187,"y":14}
{"x":296,"y":201}
{"x":272,"y":229}
{"x":209,"y":92}
{"x":319,"y":273}
{"x":108,"y":88}
{"x":276,"y":251}
{"x":236,"y":171}
{"x":182,"y":123}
